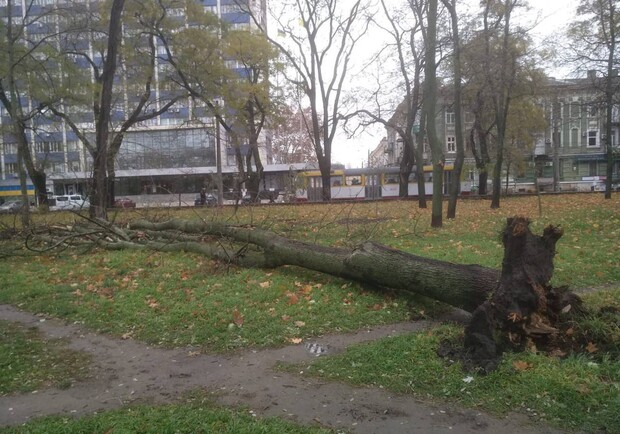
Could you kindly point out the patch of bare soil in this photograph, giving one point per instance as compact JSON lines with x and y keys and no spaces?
{"x":126,"y":371}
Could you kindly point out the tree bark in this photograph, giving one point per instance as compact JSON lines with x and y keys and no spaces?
{"x":524,"y":310}
{"x":462,"y":286}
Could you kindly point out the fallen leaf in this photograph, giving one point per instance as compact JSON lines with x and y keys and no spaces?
{"x":127,"y":335}
{"x":237,"y":317}
{"x":521,"y":365}
{"x":265,"y":284}
{"x":591,"y":348}
{"x":295,"y":340}
{"x":292,"y":298}
{"x":376,"y":307}
{"x":299,"y":323}
{"x":306,"y":289}
{"x":193,"y":353}
{"x":514,"y":316}
{"x":570,"y":332}
{"x":285,"y":317}
{"x":556,"y":352}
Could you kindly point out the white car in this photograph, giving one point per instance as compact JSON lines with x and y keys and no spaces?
{"x":69,"y":202}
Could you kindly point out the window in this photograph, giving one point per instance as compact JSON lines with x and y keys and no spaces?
{"x":450,"y":117}
{"x":592,"y":168}
{"x":575,"y":110}
{"x":46,"y":147}
{"x":451,"y":143}
{"x":592,"y":139}
{"x":57,"y":167}
{"x":353,"y":180}
{"x":574,"y":137}
{"x":390,"y":179}
{"x":10,"y":148}
{"x":593,"y":111}
{"x":74,"y":166}
{"x":10,"y":168}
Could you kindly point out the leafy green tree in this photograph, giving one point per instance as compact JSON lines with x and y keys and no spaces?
{"x":28,"y":69}
{"x":101,"y":105}
{"x":248,"y":97}
{"x":594,"y":36}
{"x":226,"y":70}
{"x":501,"y":68}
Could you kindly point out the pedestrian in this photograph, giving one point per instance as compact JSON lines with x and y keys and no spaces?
{"x":203,"y":196}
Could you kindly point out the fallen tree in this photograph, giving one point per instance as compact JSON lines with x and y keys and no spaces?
{"x":516,"y":307}
{"x":461,"y":286}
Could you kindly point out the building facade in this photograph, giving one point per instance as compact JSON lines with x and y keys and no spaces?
{"x":571,"y":148}
{"x":180,"y":140}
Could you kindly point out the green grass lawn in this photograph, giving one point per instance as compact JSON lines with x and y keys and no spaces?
{"x":576,"y":392}
{"x":196,"y":415}
{"x":28,"y":362}
{"x":183,"y":299}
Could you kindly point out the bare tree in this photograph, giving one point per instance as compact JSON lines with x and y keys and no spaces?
{"x":404,"y":27}
{"x":290,"y":141}
{"x":320,"y":37}
{"x":501,"y":54}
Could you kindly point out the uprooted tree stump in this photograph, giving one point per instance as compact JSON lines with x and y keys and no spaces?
{"x":524,"y":310}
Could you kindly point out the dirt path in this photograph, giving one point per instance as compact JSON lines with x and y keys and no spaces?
{"x":127,"y":371}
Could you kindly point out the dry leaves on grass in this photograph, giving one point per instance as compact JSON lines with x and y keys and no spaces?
{"x":238,"y":318}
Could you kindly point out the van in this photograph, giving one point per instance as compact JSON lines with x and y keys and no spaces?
{"x":68,"y":202}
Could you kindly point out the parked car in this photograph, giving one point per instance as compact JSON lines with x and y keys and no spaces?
{"x":124,"y":202}
{"x":210,"y":200}
{"x":247,"y":199}
{"x":68,"y":202}
{"x":11,"y":206}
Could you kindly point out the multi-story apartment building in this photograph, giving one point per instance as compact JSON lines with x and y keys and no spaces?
{"x":174,"y":151}
{"x":573,"y":109}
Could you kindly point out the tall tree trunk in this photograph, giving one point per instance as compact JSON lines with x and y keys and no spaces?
{"x":419,"y":157}
{"x":406,"y":165}
{"x":455,"y":186}
{"x":430,"y":96}
{"x":612,"y":76}
{"x":100,"y":158}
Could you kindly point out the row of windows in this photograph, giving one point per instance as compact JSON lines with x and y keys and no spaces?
{"x":51,"y":167}
{"x":571,"y":110}
{"x":592,"y":138}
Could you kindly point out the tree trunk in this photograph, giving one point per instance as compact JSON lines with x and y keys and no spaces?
{"x":525,"y":308}
{"x":430,"y":103}
{"x":455,"y":187}
{"x":419,"y":158}
{"x":461,"y":286}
